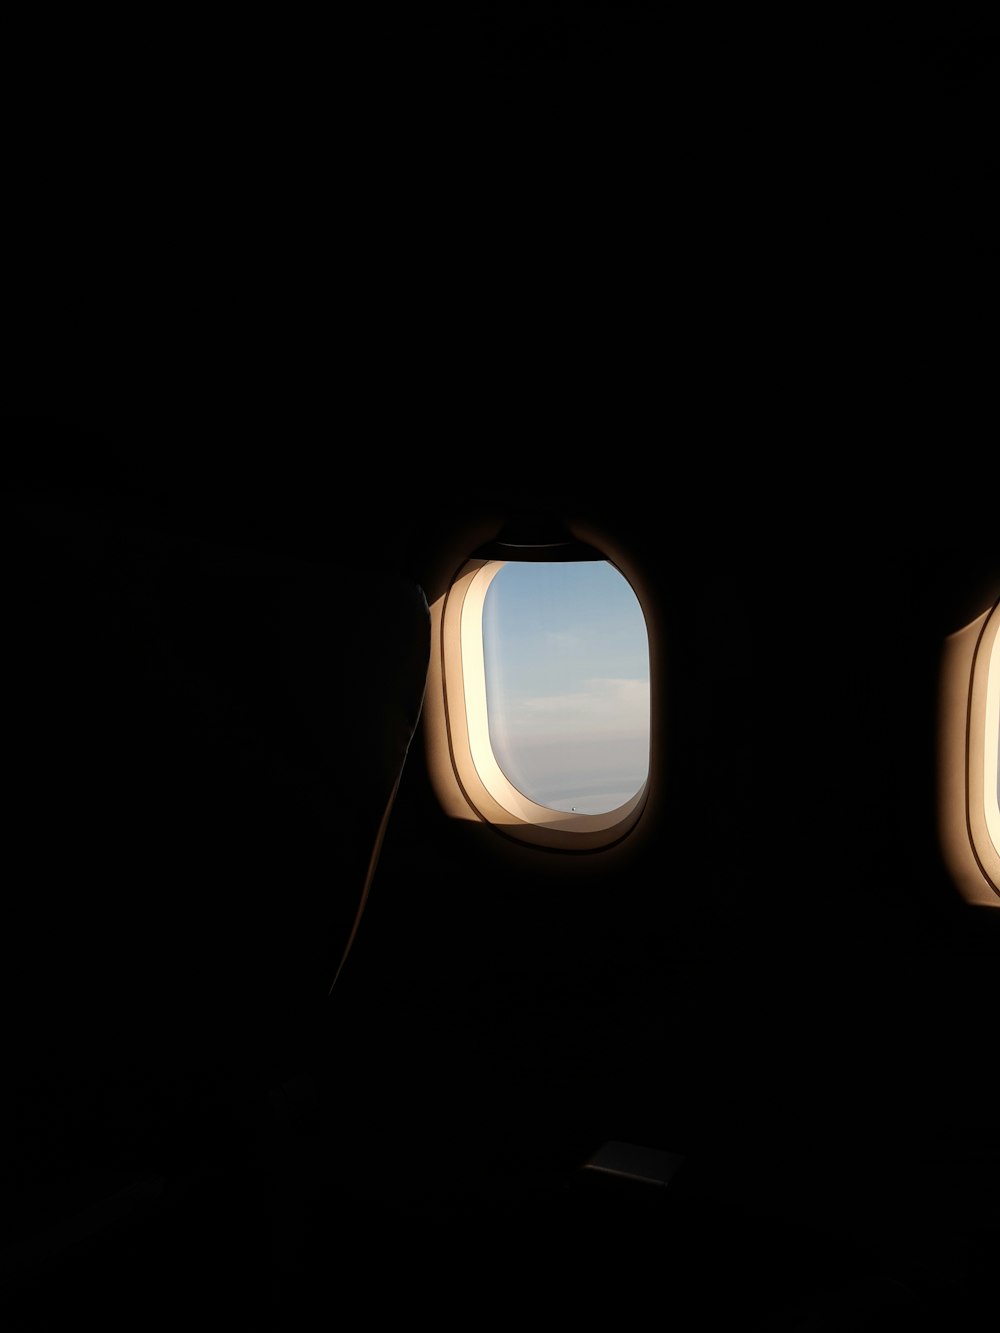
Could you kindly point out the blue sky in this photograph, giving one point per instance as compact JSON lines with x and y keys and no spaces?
{"x":567,"y":676}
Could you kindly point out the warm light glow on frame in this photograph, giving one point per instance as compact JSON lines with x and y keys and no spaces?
{"x":991,"y":745}
{"x":969,"y":722}
{"x":467,"y":777}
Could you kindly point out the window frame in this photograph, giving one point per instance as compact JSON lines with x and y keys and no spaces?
{"x":969,"y":722}
{"x":471,"y":783}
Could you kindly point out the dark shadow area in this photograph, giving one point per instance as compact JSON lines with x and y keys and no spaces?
{"x":291,"y":318}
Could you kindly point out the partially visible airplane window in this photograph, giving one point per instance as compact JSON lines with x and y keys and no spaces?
{"x":969,"y":759}
{"x":566,"y":661}
{"x":991,"y":776}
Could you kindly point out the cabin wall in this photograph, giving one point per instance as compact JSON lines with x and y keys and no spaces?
{"x":784,"y":978}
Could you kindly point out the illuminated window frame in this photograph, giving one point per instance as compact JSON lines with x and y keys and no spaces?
{"x":968,"y":728}
{"x":470,"y":781}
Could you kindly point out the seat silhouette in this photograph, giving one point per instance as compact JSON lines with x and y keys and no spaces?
{"x":207,"y":742}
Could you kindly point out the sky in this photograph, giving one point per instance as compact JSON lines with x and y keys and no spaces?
{"x":567,"y":681}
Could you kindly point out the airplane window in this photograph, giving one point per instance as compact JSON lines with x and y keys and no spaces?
{"x":540,"y":721}
{"x":969,"y":804}
{"x":566,"y":663}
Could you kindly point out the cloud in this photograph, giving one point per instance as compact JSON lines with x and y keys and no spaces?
{"x":605,"y":706}
{"x":563,"y":641}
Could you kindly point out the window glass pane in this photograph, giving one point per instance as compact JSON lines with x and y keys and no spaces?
{"x":567,"y":683}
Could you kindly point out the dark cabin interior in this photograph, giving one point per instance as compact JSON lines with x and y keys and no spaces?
{"x":287,"y":314}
